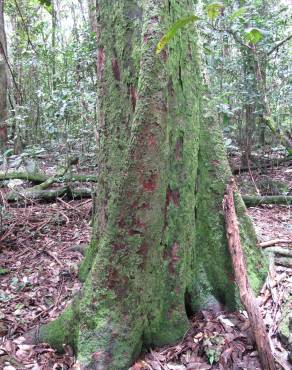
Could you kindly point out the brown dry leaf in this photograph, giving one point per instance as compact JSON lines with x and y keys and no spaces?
{"x":225,"y":356}
{"x":172,"y":366}
{"x":198,"y":366}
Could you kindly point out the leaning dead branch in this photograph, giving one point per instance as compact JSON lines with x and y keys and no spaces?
{"x":240,"y":272}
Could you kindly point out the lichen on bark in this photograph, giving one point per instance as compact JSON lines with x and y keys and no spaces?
{"x":158,"y":236}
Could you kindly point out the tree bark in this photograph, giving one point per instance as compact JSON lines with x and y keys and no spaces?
{"x":158,"y":243}
{"x":3,"y":80}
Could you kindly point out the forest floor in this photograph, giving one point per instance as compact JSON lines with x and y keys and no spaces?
{"x":41,"y":246}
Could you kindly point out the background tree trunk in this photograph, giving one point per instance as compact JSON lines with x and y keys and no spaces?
{"x":158,"y":246}
{"x":3,"y":80}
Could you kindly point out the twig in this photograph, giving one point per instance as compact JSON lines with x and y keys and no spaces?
{"x":276,"y":47}
{"x":54,"y":257}
{"x":252,"y":178}
{"x":67,"y":205}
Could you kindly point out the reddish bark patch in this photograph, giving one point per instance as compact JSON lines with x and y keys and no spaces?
{"x":134,"y":205}
{"x":143,"y":251}
{"x":164,"y":55}
{"x":100,"y":62}
{"x":133,"y":95}
{"x":134,"y":232}
{"x":118,"y":247}
{"x":121,"y":222}
{"x":172,"y":196}
{"x":174,"y":257}
{"x":146,"y":37}
{"x":231,"y":277}
{"x":150,"y":183}
{"x":216,"y":162}
{"x":152,"y":142}
{"x":116,"y":69}
{"x":139,"y":224}
{"x":113,"y":278}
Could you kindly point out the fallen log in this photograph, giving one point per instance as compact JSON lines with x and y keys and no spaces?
{"x":35,"y":178}
{"x":280,"y":251}
{"x":38,"y":178}
{"x":270,"y":243}
{"x":284,"y":261}
{"x":48,"y":195}
{"x":254,"y":200}
{"x":246,"y":295}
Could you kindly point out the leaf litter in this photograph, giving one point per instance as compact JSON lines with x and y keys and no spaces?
{"x":41,"y":248}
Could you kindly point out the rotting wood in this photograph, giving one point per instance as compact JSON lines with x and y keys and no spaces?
{"x":253,"y":200}
{"x":246,"y":295}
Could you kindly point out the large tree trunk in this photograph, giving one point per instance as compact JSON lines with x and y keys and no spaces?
{"x":158,"y":247}
{"x":3,"y":79}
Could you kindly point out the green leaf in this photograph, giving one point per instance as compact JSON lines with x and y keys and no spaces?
{"x":3,"y":271}
{"x":238,"y":13}
{"x":253,"y":35}
{"x":213,"y":10}
{"x":47,"y":4}
{"x":173,"y":31}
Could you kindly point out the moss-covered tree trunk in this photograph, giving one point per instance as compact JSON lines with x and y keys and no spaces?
{"x":158,"y":247}
{"x":3,"y":80}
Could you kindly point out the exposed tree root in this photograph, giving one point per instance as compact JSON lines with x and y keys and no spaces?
{"x":60,"y":332}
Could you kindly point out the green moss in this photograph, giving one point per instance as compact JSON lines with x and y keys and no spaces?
{"x":214,"y":174}
{"x":86,"y":264}
{"x":159,"y":229}
{"x":285,"y":326}
{"x":60,"y":331}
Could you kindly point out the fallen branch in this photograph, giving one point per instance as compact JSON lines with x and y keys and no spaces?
{"x":241,"y":278}
{"x":38,"y":178}
{"x":48,"y":195}
{"x":270,"y":243}
{"x":50,"y":180}
{"x":254,"y":200}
